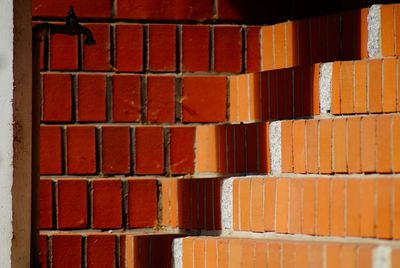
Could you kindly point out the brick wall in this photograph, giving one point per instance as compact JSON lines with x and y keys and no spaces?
{"x":168,"y":128}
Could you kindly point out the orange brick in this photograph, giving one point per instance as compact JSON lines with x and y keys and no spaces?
{"x":346,"y":88}
{"x":247,"y":253}
{"x":325,"y":146}
{"x":312,"y":146}
{"x":315,"y":89}
{"x":269,"y":204}
{"x":375,"y":86}
{"x":165,"y":201}
{"x":287,"y":146}
{"x":302,"y":255}
{"x":360,"y":88}
{"x":202,"y":148}
{"x":261,"y":256}
{"x":244,"y":205}
{"x":322,"y":222}
{"x":383,"y":148}
{"x":296,"y":189}
{"x":396,"y":143}
{"x":365,"y":256}
{"x":338,"y":207}
{"x":336,"y":88}
{"x":274,"y":255}
{"x":396,"y":209}
{"x":353,"y":207}
{"x":354,"y":144}
{"x":333,"y":255}
{"x":291,"y":44}
{"x":173,"y":203}
{"x":211,"y":253}
{"x":279,"y":45}
{"x":384,"y":209}
{"x":348,"y":256}
{"x":389,"y":85}
{"x":339,"y":145}
{"x":396,"y":257}
{"x":288,"y":255}
{"x":235,"y":204}
{"x":299,"y":149}
{"x":255,"y":96}
{"x":198,"y":252}
{"x":316,"y":255}
{"x":257,"y":210}
{"x":235,"y":252}
{"x":243,"y":97}
{"x":187,"y":252}
{"x":233,"y":99}
{"x":368,"y":124}
{"x":367,"y":194}
{"x":363,"y":33}
{"x":308,"y":221}
{"x":387,"y":30}
{"x":223,"y":252}
{"x":282,"y":204}
{"x":267,"y":53}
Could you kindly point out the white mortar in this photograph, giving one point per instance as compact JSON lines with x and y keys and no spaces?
{"x":275,"y":147}
{"x":382,"y":257}
{"x":227,"y":203}
{"x":325,"y":87}
{"x":374,"y":31}
{"x":177,"y":253}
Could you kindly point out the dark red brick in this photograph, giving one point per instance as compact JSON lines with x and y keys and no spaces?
{"x":57,"y":98}
{"x":63,"y":52}
{"x":83,"y":9}
{"x":253,"y":49}
{"x":101,"y":251}
{"x":50,"y":150}
{"x":72,"y":204}
{"x":165,"y":10}
{"x":67,"y":250}
{"x":195,"y":48}
{"x":45,"y":204}
{"x":160,"y":99}
{"x":227,"y":9}
{"x":81,"y":150}
{"x":228,"y":49}
{"x":204,"y":99}
{"x":182,"y":150}
{"x":91,"y":98}
{"x":142,"y":203}
{"x":162,"y":48}
{"x":97,"y":57}
{"x":107,"y":204}
{"x":149,"y":150}
{"x":116,"y":150}
{"x":43,"y":247}
{"x":126,"y":98}
{"x":129,"y":48}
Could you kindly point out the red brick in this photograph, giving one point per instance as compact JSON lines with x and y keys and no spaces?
{"x":72,"y":204}
{"x":195,"y":48}
{"x":162,"y":48}
{"x":83,"y":9}
{"x":160,"y":99}
{"x":67,"y":251}
{"x":81,"y":150}
{"x":165,"y":10}
{"x":201,"y":92}
{"x":91,"y":98}
{"x":228,"y":49}
{"x":63,"y":52}
{"x":107,"y":205}
{"x":253,"y":49}
{"x":46,"y":204}
{"x":116,"y":143}
{"x":101,"y":251}
{"x":43,"y":248}
{"x":182,"y":150}
{"x":142,"y":203}
{"x":57,"y":98}
{"x":149,"y":150}
{"x":126,"y":98}
{"x":50,"y":150}
{"x":97,"y":57}
{"x":128,"y":48}
{"x":228,"y":10}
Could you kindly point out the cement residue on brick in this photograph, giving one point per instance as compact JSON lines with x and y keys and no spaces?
{"x":382,"y":257}
{"x":275,"y":147}
{"x":325,"y":86}
{"x":177,"y":252}
{"x":374,"y":31}
{"x":226,"y":203}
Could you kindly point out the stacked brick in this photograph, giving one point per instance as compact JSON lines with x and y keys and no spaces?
{"x":141,"y":133}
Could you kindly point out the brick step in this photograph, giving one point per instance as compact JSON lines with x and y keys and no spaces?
{"x":67,"y":249}
{"x":242,"y":252}
{"x":339,"y":88}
